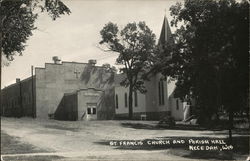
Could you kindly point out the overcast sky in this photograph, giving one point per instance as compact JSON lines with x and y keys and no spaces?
{"x":75,"y":37}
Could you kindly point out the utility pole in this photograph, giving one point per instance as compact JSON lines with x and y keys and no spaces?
{"x":32,"y":93}
{"x":20,"y":98}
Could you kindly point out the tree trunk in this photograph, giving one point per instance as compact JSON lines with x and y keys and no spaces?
{"x":1,"y":35}
{"x":2,"y":18}
{"x":130,"y":103}
{"x":230,"y":126}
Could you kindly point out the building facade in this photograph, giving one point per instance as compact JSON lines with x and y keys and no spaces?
{"x":159,"y":100}
{"x":155,"y":104}
{"x":18,"y":99}
{"x":64,"y":91}
{"x":84,"y":91}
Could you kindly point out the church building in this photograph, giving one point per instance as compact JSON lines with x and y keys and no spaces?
{"x":85,"y":91}
{"x":159,"y":100}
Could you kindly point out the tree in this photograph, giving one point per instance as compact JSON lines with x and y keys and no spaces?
{"x":17,"y":18}
{"x":17,"y":21}
{"x":135,"y":44}
{"x":210,"y":55}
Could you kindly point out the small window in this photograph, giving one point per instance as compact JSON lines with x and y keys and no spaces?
{"x":136,"y":101}
{"x":116,"y":101}
{"x":89,"y":110}
{"x":94,"y":111}
{"x":161,"y":92}
{"x":177,"y":104}
{"x":126,"y":99}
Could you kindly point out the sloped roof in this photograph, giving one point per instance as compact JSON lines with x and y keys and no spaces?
{"x":166,"y":35}
{"x":119,"y":78}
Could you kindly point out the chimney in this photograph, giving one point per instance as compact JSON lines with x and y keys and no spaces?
{"x":56,"y":59}
{"x":92,"y":62}
{"x":18,"y":80}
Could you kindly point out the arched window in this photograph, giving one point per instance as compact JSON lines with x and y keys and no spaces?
{"x":116,"y":101}
{"x":161,"y":92}
{"x":177,"y":104}
{"x":136,"y":101}
{"x":126,"y":99}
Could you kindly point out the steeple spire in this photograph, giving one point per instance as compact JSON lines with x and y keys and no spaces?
{"x":166,"y":35}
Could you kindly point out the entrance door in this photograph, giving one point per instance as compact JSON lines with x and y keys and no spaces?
{"x":91,"y":111}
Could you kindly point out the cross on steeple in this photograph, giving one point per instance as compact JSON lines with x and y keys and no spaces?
{"x":76,"y":72}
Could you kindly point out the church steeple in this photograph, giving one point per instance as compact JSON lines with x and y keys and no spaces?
{"x":166,"y":35}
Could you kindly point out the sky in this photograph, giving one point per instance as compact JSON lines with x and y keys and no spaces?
{"x":75,"y":37}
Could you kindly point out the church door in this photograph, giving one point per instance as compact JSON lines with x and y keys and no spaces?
{"x":91,"y":111}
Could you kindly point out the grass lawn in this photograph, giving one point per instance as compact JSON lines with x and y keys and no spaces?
{"x":11,"y":145}
{"x":32,"y":158}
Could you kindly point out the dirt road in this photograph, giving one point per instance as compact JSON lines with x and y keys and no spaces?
{"x":86,"y":140}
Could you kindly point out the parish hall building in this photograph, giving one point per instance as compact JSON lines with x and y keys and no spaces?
{"x":84,"y":91}
{"x":64,"y":91}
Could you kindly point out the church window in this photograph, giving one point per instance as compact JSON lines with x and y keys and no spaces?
{"x":136,"y":101}
{"x":177,"y":104}
{"x":161,"y":92}
{"x":126,"y":99}
{"x":116,"y":101}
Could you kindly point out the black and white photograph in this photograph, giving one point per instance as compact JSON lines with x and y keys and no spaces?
{"x":124,"y":80}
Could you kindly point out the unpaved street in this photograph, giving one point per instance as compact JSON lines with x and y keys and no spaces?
{"x":83,"y":140}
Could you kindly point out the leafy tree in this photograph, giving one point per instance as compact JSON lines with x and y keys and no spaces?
{"x":210,"y":55}
{"x":135,"y":44}
{"x":17,"y":18}
{"x":17,"y":21}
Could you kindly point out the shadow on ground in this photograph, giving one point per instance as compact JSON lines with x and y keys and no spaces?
{"x":237,"y":131}
{"x":180,"y":146}
{"x":11,"y":145}
{"x":57,"y":127}
{"x":217,"y":130}
{"x":157,"y":127}
{"x":33,"y":158}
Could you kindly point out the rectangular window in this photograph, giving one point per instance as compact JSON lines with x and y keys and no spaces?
{"x":161,"y":92}
{"x":126,"y":99}
{"x":177,"y":104}
{"x":94,"y":111}
{"x":89,"y":110}
{"x":116,"y":101}
{"x":136,"y":101}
